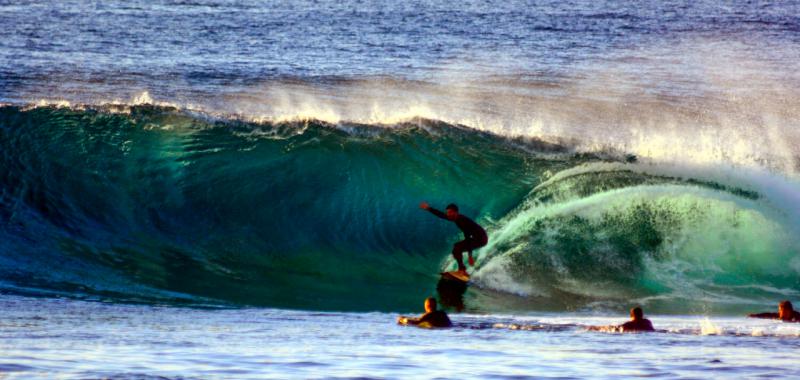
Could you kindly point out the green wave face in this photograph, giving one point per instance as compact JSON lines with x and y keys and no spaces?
{"x":159,"y":203}
{"x":156,"y":204}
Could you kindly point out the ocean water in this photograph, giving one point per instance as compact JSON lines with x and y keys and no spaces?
{"x":232,"y":186}
{"x":57,"y":338}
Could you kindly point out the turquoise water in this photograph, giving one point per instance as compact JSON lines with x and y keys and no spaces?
{"x":158,"y":204}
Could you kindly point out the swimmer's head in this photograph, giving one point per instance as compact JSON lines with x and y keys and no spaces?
{"x":636,"y":313}
{"x":452,"y":211}
{"x":785,"y":310}
{"x":430,"y":304}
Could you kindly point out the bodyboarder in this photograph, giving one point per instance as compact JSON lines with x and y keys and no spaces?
{"x":785,"y":313}
{"x":638,"y":323}
{"x":431,"y":318}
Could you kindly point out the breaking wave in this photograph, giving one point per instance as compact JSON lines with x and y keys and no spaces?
{"x":162,"y":204}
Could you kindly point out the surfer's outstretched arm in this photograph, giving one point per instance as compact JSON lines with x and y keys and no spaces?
{"x":426,"y":206}
{"x":407,"y":320}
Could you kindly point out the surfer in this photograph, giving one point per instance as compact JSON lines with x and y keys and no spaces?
{"x":474,"y":235}
{"x":638,"y":323}
{"x":785,"y":313}
{"x":431,"y":318}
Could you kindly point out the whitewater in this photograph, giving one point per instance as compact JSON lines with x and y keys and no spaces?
{"x":210,"y":179}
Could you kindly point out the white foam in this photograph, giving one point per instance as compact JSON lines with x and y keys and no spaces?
{"x":709,"y":243}
{"x":709,"y":328}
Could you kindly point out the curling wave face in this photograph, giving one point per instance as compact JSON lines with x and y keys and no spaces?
{"x":159,"y":204}
{"x":611,"y":235}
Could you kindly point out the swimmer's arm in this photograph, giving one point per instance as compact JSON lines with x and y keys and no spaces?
{"x":427,"y":317}
{"x":402,"y":320}
{"x":764,"y":315}
{"x":609,"y":328}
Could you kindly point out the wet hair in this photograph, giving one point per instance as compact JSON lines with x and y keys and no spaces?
{"x":432,"y":302}
{"x":787,"y":305}
{"x":452,"y":206}
{"x":637,"y":313}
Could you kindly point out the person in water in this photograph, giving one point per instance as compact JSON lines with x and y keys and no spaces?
{"x":431,"y":318}
{"x":474,"y":235}
{"x":638,"y":323}
{"x":785,"y":313}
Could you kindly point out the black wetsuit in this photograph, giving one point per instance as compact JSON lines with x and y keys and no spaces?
{"x":435,"y":318}
{"x":638,"y":325}
{"x":474,"y":236}
{"x":795,"y":316}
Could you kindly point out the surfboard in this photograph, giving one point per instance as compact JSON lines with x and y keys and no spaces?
{"x":455,"y":275}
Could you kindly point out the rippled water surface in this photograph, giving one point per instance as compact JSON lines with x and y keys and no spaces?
{"x":41,"y":338}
